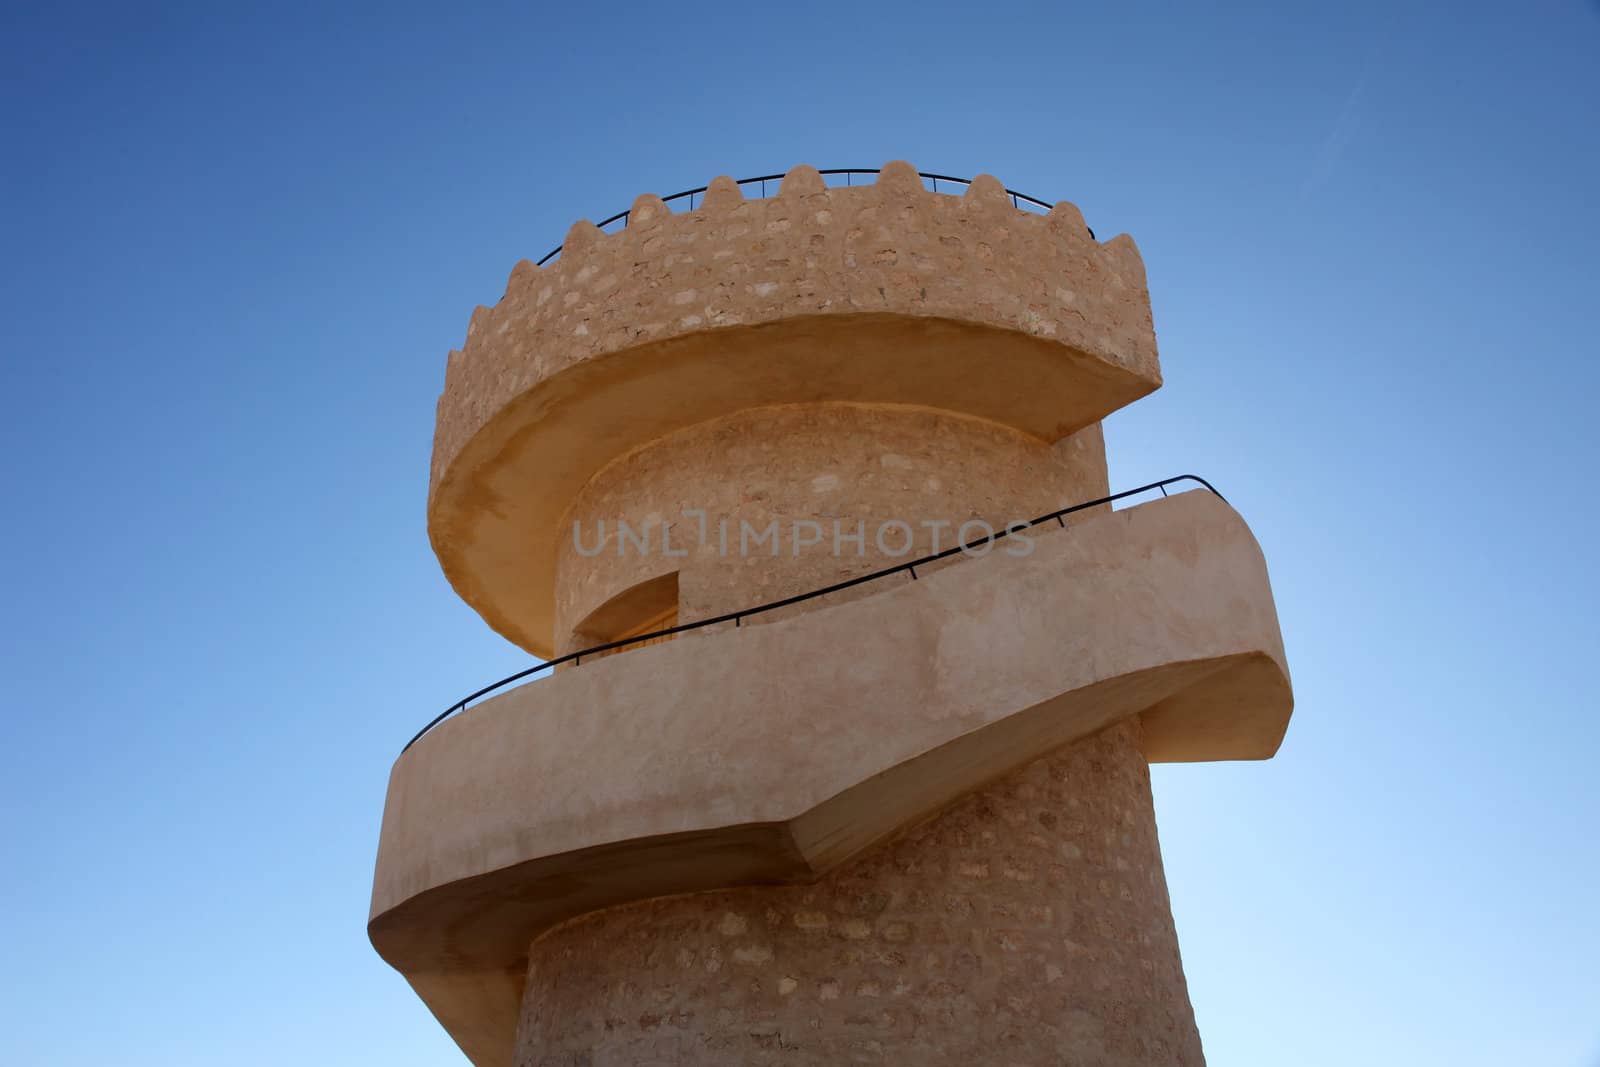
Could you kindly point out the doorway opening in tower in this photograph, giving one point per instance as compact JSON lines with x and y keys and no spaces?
{"x":639,"y":609}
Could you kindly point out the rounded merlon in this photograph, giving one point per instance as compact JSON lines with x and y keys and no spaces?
{"x":885,"y":293}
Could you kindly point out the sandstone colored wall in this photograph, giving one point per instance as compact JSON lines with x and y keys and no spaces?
{"x":844,"y":467}
{"x":884,"y":294}
{"x":890,"y":246}
{"x":1028,"y":924}
{"x":780,"y":753}
{"x":864,"y":354}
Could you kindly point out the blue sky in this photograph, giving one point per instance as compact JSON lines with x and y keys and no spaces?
{"x":240,"y":242}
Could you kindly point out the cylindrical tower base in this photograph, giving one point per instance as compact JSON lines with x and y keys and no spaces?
{"x":1027,"y":924}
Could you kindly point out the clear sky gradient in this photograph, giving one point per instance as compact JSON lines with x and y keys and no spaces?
{"x":238,"y":244}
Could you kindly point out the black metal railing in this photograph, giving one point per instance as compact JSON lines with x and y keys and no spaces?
{"x":737,"y":617}
{"x":849,"y":174}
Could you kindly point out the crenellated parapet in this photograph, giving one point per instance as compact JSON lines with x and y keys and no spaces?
{"x":805,"y":782}
{"x":884,"y":293}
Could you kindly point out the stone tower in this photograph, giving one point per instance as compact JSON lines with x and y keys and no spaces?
{"x":907,"y":822}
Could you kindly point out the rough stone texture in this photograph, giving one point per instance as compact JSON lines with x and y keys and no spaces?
{"x":885,"y":294}
{"x":1028,"y":924}
{"x":847,"y":468}
{"x":873,"y":830}
{"x":811,"y":250}
{"x":777,"y":753}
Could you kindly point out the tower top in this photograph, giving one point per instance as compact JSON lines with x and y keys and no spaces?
{"x":881,"y":293}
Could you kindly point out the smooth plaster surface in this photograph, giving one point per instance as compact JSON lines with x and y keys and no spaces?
{"x":657,"y":771}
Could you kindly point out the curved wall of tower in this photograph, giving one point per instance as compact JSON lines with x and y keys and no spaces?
{"x":907,"y":822}
{"x":880,"y":294}
{"x":774,"y":501}
{"x":1026,"y":924}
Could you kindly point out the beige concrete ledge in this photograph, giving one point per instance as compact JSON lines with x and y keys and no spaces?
{"x":773,"y":753}
{"x":884,"y":293}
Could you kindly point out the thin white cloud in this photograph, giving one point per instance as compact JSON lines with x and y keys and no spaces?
{"x":1334,"y":144}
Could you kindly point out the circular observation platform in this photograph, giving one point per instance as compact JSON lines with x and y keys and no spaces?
{"x":882,"y":294}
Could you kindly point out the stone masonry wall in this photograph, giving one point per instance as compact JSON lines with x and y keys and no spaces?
{"x":891,"y":246}
{"x":1028,"y":924}
{"x":850,"y":466}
